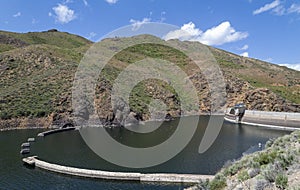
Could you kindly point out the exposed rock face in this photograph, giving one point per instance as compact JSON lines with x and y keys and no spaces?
{"x":26,"y":123}
{"x":261,"y":99}
{"x":4,"y":39}
{"x":121,"y":110}
{"x":37,"y":72}
{"x":122,"y":115}
{"x":265,"y":100}
{"x":35,"y":55}
{"x":52,"y":30}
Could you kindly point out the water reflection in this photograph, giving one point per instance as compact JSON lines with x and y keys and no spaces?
{"x":68,"y":148}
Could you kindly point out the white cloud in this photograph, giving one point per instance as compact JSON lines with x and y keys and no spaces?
{"x":91,"y":35}
{"x":279,"y":10}
{"x":34,"y":21}
{"x":111,"y":1}
{"x":245,"y":54}
{"x":17,"y":14}
{"x":218,"y":35}
{"x":245,"y":47}
{"x":186,"y":32}
{"x":294,"y":9}
{"x":162,"y":16}
{"x":63,"y":14}
{"x":67,"y":1}
{"x":136,"y":24}
{"x":268,"y":60}
{"x":191,"y":29}
{"x":267,"y":7}
{"x":85,"y":2}
{"x":292,"y":66}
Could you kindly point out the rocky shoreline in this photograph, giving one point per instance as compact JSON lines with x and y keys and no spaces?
{"x":23,"y":128}
{"x":275,"y":167}
{"x":25,"y":123}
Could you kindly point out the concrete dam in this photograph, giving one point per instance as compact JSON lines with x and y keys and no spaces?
{"x":277,"y":120}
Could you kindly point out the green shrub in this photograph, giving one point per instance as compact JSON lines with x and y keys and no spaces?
{"x":287,"y":158}
{"x":281,"y":181}
{"x":233,"y":169}
{"x":218,"y":183}
{"x":40,"y":113}
{"x":266,"y":157}
{"x":270,"y":173}
{"x":203,"y":184}
{"x":253,"y":163}
{"x":269,"y":143}
{"x":243,"y":175}
{"x":4,"y":115}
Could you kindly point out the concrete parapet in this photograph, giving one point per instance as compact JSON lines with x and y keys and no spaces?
{"x":158,"y":177}
{"x":55,"y":131}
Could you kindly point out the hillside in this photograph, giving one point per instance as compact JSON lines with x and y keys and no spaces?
{"x":37,"y":71}
{"x":275,"y":167}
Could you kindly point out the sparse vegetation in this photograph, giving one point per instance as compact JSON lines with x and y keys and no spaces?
{"x":276,"y":166}
{"x":218,"y":183}
{"x":243,"y":175}
{"x":281,"y":181}
{"x":35,"y":77}
{"x":37,"y":70}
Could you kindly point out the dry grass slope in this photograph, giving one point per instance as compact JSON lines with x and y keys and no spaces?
{"x":37,"y":70}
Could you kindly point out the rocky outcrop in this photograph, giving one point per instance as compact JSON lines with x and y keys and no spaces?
{"x":23,"y":123}
{"x":37,"y":72}
{"x":265,"y":100}
{"x":262,"y":99}
{"x":4,"y":39}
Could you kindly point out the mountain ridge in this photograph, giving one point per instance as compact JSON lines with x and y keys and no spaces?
{"x":37,"y":70}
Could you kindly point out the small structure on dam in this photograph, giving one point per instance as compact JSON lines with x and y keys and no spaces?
{"x":279,"y":120}
{"x":236,"y":113}
{"x":31,"y":139}
{"x":25,"y":151}
{"x":25,"y":145}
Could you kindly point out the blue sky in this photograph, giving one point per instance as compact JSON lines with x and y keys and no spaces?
{"x":264,"y":29}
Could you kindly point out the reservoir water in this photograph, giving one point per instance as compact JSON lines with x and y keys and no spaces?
{"x":68,"y":148}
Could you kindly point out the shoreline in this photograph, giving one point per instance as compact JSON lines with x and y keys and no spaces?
{"x":24,"y":128}
{"x":43,"y":123}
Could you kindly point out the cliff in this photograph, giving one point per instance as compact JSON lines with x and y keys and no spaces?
{"x":37,"y":72}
